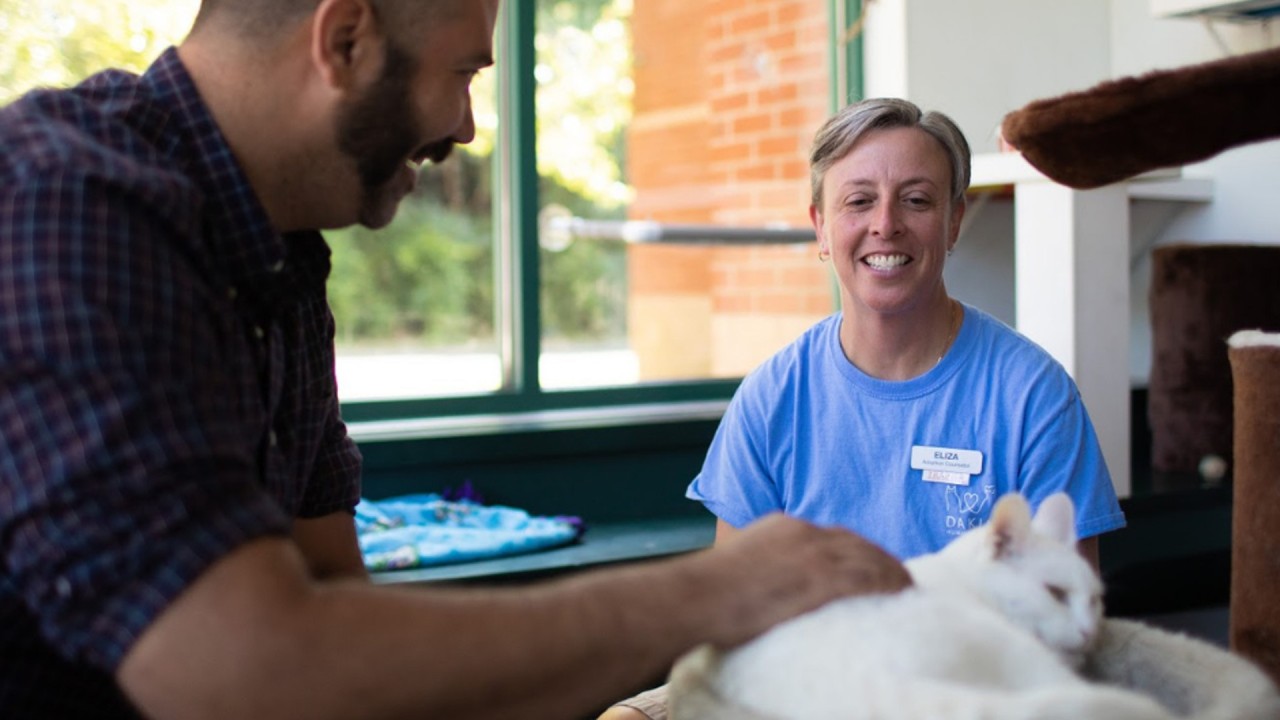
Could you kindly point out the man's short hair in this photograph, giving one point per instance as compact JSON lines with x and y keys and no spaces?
{"x":263,"y":20}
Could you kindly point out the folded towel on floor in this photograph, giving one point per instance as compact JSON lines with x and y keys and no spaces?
{"x":426,"y":529}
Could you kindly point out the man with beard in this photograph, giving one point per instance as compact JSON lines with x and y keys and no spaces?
{"x":176,"y":484}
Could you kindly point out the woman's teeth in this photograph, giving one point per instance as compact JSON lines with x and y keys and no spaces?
{"x":885,"y":262}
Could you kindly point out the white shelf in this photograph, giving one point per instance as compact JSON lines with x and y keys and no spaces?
{"x":1190,"y":190}
{"x":999,"y":171}
{"x":1071,"y":284}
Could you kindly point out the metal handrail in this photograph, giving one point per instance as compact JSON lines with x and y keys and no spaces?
{"x":559,"y":231}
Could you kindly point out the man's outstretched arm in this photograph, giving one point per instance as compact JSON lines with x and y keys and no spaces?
{"x":256,"y":637}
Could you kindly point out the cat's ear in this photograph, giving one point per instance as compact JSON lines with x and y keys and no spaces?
{"x":1056,"y":518}
{"x":1010,"y":526}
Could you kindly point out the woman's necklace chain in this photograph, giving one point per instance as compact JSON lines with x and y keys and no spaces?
{"x":952,"y":326}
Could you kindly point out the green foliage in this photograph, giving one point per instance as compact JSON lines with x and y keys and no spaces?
{"x":583,"y":56}
{"x":584,"y":294}
{"x":428,"y":277}
{"x":56,"y":43}
{"x":584,"y":92}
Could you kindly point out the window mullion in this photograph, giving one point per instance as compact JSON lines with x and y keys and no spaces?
{"x":517,"y":272}
{"x":845,"y":51}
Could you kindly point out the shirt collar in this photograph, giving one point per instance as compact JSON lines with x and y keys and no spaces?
{"x":237,"y":229}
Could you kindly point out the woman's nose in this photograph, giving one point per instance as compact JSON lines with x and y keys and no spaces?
{"x":884,"y":221}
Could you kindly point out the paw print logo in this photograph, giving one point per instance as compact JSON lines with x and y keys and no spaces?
{"x":966,"y":509}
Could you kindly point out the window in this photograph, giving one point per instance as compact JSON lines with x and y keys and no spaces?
{"x":629,"y":226}
{"x":649,"y":215}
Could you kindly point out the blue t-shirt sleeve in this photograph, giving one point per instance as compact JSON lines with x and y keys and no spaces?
{"x":736,"y":483}
{"x":1063,"y":455}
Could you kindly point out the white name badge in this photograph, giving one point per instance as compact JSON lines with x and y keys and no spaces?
{"x":947,"y":460}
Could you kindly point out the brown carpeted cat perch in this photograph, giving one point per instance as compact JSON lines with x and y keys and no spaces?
{"x":1255,"y":541}
{"x":1129,"y":126}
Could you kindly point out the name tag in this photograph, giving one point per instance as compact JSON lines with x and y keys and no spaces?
{"x":947,"y":460}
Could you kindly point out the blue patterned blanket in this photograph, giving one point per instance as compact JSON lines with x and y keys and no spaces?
{"x":426,"y":529}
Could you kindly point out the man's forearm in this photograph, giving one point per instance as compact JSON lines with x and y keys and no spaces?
{"x":330,"y":546}
{"x":349,"y":649}
{"x":255,"y":636}
{"x":554,"y":650}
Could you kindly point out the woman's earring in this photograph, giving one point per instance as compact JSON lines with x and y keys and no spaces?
{"x":823,"y":254}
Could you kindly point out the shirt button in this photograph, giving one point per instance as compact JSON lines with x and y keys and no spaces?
{"x":278,"y":266}
{"x":258,"y":332}
{"x":232,"y":292}
{"x":63,"y":586}
{"x":271,"y":438}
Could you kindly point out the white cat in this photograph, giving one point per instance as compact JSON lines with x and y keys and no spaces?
{"x":995,"y":628}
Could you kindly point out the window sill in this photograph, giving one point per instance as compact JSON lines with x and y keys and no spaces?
{"x":534,"y":421}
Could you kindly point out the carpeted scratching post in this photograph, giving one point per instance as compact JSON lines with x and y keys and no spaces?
{"x":1200,"y":295}
{"x":1255,"y":521}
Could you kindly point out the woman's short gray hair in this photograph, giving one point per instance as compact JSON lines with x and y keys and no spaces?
{"x":838,"y":134}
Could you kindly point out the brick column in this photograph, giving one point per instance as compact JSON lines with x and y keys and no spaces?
{"x":728,"y":95}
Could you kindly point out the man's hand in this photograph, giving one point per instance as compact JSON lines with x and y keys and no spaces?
{"x":779,"y":567}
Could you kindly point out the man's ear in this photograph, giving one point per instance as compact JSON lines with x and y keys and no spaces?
{"x":346,"y":42}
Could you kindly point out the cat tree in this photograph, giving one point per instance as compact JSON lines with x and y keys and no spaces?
{"x":1124,"y":127}
{"x":1255,"y":540}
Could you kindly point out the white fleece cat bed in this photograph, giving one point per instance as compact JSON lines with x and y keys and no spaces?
{"x":1191,"y":678}
{"x":1004,"y":623}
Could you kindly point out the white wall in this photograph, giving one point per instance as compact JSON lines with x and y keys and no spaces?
{"x":1246,"y":179}
{"x":976,"y":60}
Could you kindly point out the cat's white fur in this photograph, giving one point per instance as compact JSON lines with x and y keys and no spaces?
{"x":995,"y":628}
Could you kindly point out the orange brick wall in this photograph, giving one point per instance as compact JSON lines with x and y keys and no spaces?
{"x":728,"y":95}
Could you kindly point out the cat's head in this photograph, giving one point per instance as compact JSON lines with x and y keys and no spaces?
{"x":1029,"y":570}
